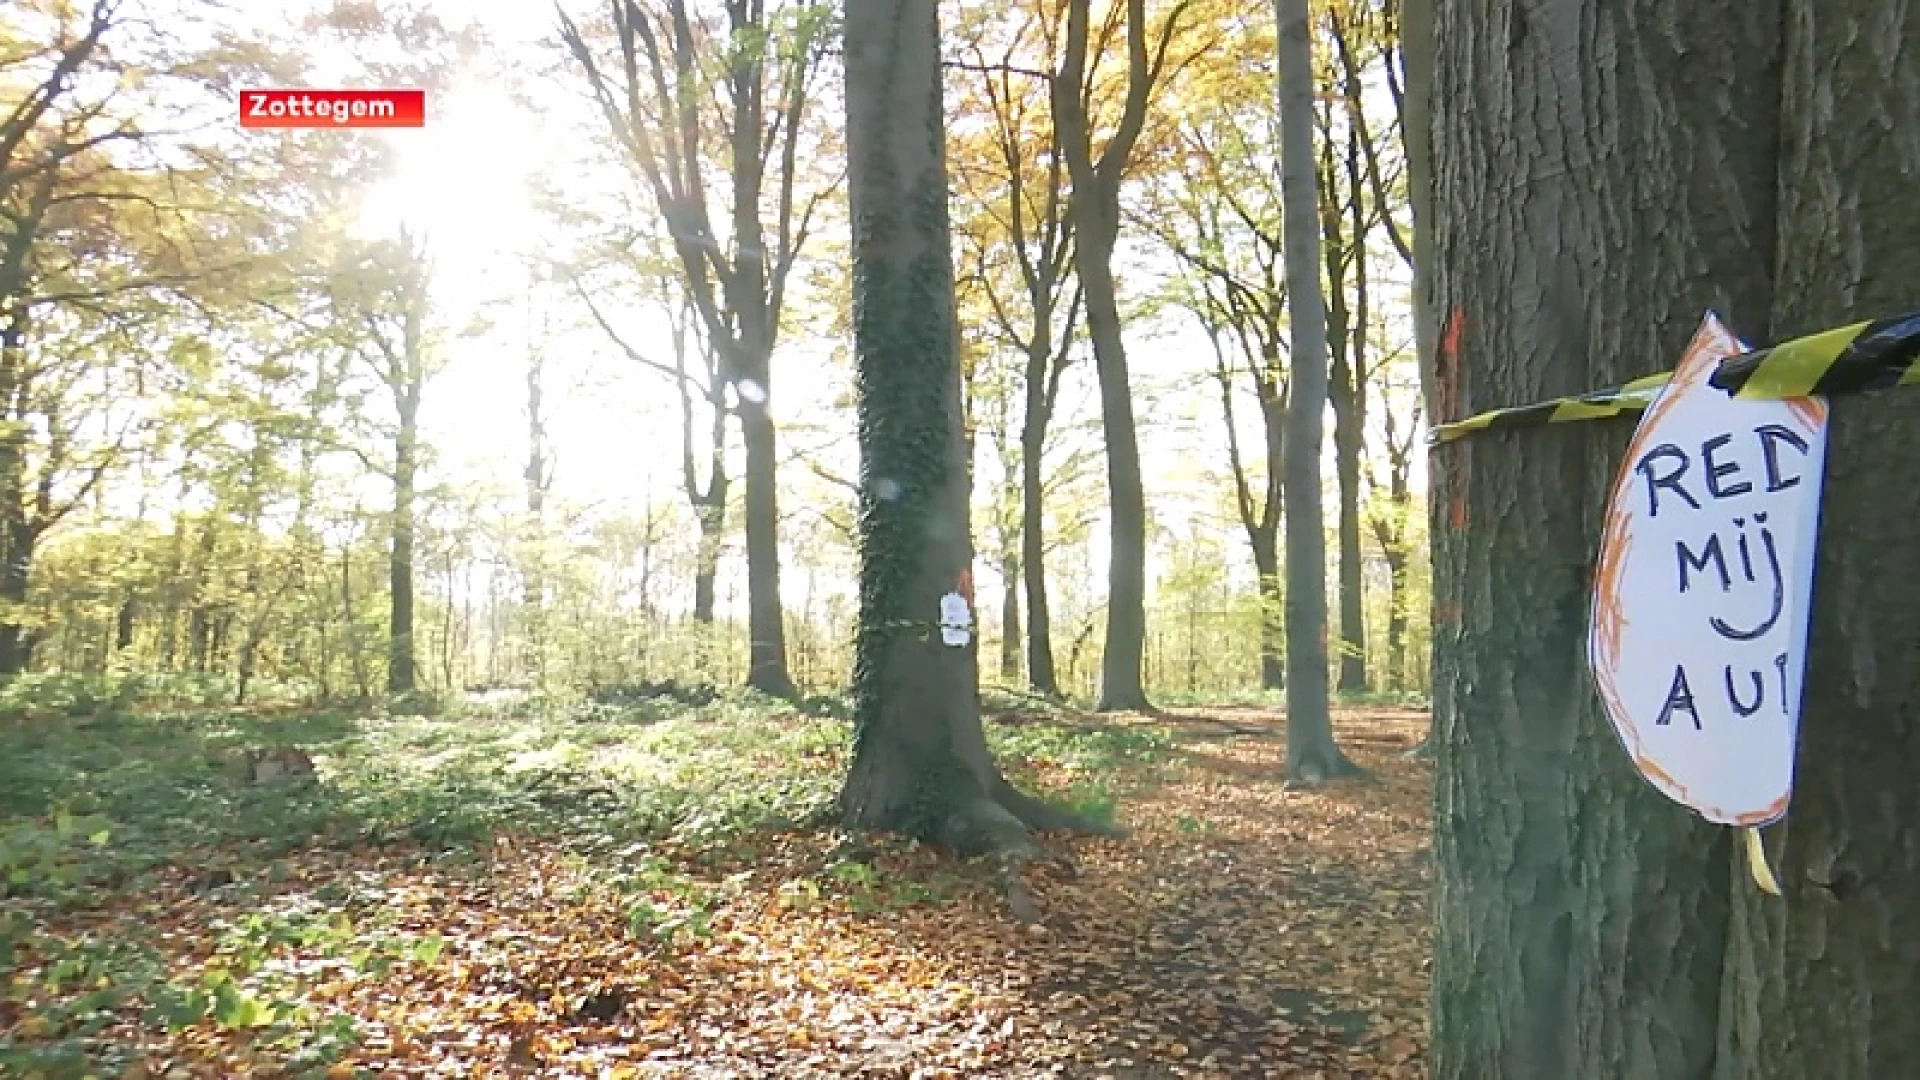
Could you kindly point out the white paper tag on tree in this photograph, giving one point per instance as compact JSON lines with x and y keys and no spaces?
{"x":956,"y":621}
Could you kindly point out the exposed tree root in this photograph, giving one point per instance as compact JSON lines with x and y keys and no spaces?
{"x":1042,"y":816}
{"x":1130,"y":703}
{"x":1423,"y":752}
{"x":775,"y":684}
{"x":1055,"y":702}
{"x":1002,"y":828}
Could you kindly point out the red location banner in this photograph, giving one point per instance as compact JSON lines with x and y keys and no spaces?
{"x":333,"y":108}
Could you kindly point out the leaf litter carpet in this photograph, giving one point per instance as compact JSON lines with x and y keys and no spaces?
{"x":1242,"y":929}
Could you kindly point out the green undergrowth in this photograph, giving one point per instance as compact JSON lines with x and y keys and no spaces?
{"x":666,"y":804}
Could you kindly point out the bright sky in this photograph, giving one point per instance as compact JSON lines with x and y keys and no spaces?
{"x":463,"y":179}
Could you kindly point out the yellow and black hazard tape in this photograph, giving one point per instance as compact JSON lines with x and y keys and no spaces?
{"x":1877,"y":355}
{"x":1593,"y":405}
{"x":1864,"y":357}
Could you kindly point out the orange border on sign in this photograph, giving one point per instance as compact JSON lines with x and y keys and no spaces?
{"x":1712,"y":344}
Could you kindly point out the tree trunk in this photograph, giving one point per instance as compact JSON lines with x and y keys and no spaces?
{"x":537,"y":477}
{"x":200,"y":620}
{"x":448,"y":641}
{"x":1390,"y":532}
{"x":400,"y":655}
{"x":1416,"y":130}
{"x":1415,"y":23}
{"x":1033,"y":541}
{"x":17,"y":539}
{"x":1396,"y":560}
{"x":1010,"y":617}
{"x":921,"y":763}
{"x":766,"y":619}
{"x":1312,"y":756}
{"x":356,"y":654}
{"x":123,"y":623}
{"x":1273,"y":636}
{"x":1344,"y":380}
{"x":766,"y":627}
{"x":1122,"y":686}
{"x":1823,"y":984}
{"x":757,"y":316}
{"x":1350,"y":433}
{"x":1263,"y":527}
{"x":258,"y":608}
{"x":742,"y":317}
{"x":1582,"y":918}
{"x":1095,"y":208}
{"x":709,"y":503}
{"x":712,"y":521}
{"x":16,"y":643}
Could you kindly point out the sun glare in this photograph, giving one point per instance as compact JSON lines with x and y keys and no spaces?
{"x":463,"y":183}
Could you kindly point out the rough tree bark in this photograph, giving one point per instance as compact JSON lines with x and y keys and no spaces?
{"x":1825,"y":984}
{"x":1312,"y":756}
{"x":1604,"y":173}
{"x":921,"y":763}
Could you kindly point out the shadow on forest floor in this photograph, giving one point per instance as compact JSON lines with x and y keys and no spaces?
{"x":606,"y":891}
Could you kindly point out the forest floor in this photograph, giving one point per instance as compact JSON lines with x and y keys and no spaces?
{"x":613,"y":894}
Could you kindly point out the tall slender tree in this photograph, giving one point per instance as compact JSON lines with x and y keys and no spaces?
{"x":660,"y":107}
{"x":1095,"y":206}
{"x":1213,"y":202}
{"x":1312,"y":755}
{"x":536,"y":477}
{"x":382,"y":290}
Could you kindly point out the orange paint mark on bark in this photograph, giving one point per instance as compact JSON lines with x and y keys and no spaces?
{"x":1447,"y":406}
{"x":1451,"y":335}
{"x":1446,"y":369}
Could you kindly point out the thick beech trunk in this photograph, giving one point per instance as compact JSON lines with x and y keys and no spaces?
{"x":1825,"y":984}
{"x":921,"y":763}
{"x":1606,"y":172}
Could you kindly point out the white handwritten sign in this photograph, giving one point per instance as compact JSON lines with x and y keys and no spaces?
{"x":1702,"y":590}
